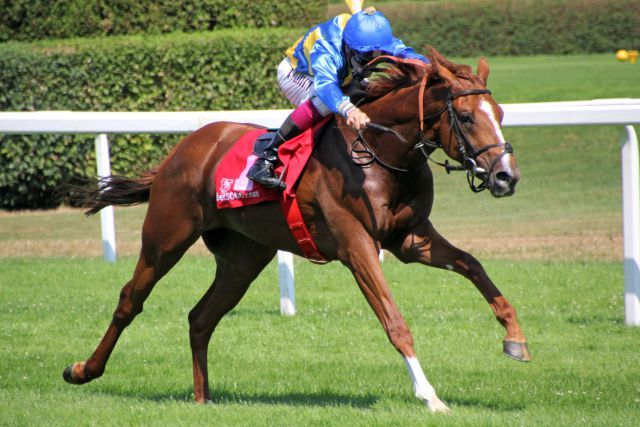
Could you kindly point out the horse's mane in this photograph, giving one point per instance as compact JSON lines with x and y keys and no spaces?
{"x":392,"y":73}
{"x":388,"y":76}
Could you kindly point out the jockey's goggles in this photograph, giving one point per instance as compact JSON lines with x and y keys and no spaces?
{"x":363,"y":58}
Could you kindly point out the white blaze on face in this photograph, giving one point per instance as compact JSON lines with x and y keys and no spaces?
{"x":487,"y":108}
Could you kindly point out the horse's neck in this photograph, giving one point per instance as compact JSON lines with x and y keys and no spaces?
{"x":396,"y":107}
{"x":397,"y":110}
{"x":374,"y":193}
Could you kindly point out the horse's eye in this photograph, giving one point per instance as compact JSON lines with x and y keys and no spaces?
{"x":466,"y":118}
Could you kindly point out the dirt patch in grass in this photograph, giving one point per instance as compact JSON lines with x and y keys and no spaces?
{"x":66,"y":232}
{"x":548,"y":248}
{"x":558,"y":247}
{"x":73,"y":248}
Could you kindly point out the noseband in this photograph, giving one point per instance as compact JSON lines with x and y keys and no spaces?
{"x":467,"y":151}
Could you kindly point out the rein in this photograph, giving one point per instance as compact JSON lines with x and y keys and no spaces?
{"x":365,"y":156}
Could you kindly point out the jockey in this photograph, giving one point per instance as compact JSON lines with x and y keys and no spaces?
{"x":328,"y":57}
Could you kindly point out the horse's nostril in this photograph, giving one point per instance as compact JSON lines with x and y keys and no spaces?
{"x":504,"y":177}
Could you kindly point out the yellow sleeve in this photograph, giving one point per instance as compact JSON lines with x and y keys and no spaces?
{"x":354,"y":5}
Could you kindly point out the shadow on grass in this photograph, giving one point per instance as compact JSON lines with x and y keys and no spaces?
{"x":222,"y":397}
{"x":296,"y":399}
{"x":592,"y":319}
{"x":319,"y":399}
{"x":484,"y":404}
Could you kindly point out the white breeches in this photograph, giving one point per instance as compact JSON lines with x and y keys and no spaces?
{"x":298,"y":87}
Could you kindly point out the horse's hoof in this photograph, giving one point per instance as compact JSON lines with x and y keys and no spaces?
{"x":67,"y":374}
{"x":517,"y":351}
{"x":71,"y":376}
{"x":437,"y":406}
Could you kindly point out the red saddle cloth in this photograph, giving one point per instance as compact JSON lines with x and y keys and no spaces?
{"x":234,"y":189}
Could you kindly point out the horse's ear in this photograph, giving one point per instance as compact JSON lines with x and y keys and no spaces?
{"x":483,"y":70}
{"x":441,"y":69}
{"x":435,"y":55}
{"x":440,"y":72}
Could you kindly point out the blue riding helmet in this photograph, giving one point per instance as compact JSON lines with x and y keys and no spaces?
{"x":368,"y":30}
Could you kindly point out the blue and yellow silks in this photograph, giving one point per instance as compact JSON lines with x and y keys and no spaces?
{"x":320,"y":54}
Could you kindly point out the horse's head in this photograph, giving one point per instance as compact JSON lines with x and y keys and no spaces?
{"x":464,"y":120}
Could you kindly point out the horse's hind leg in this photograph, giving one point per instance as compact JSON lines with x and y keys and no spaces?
{"x":425,"y":245}
{"x":239,"y":260}
{"x":166,"y":235}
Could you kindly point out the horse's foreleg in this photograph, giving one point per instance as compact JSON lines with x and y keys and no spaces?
{"x":425,"y":245}
{"x":239,"y":260}
{"x":362,"y":259}
{"x":165,"y":238}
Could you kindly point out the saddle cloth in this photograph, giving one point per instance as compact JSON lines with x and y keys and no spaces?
{"x":234,"y":189}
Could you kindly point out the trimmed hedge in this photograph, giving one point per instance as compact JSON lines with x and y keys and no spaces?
{"x":40,"y":19}
{"x":516,"y":27}
{"x":219,"y":70}
{"x":224,"y":69}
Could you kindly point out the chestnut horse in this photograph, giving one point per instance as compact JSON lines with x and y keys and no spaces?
{"x":359,"y":193}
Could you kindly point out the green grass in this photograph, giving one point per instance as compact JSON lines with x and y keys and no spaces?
{"x":329,"y":365}
{"x":546,"y":78}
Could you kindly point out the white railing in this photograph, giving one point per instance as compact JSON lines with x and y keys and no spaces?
{"x":598,"y":112}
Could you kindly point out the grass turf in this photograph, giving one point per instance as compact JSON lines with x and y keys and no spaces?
{"x":330,"y":364}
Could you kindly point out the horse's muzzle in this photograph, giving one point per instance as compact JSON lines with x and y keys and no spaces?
{"x":502,"y":183}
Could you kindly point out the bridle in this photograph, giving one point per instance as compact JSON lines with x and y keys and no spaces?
{"x":466,"y":150}
{"x":365,"y":156}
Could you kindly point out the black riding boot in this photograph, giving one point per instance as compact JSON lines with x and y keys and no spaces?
{"x":262,"y":170}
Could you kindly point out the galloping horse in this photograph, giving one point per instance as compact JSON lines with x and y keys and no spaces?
{"x":352,"y":209}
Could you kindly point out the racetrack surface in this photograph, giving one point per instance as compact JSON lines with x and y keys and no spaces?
{"x":331,"y":364}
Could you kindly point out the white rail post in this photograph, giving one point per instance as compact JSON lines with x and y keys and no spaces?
{"x":631,"y":226}
{"x":287,"y":291}
{"x":106,"y":214}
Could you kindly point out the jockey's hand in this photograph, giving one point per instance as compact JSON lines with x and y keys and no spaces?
{"x":357,"y":119}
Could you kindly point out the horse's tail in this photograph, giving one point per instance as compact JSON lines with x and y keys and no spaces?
{"x":113,"y":190}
